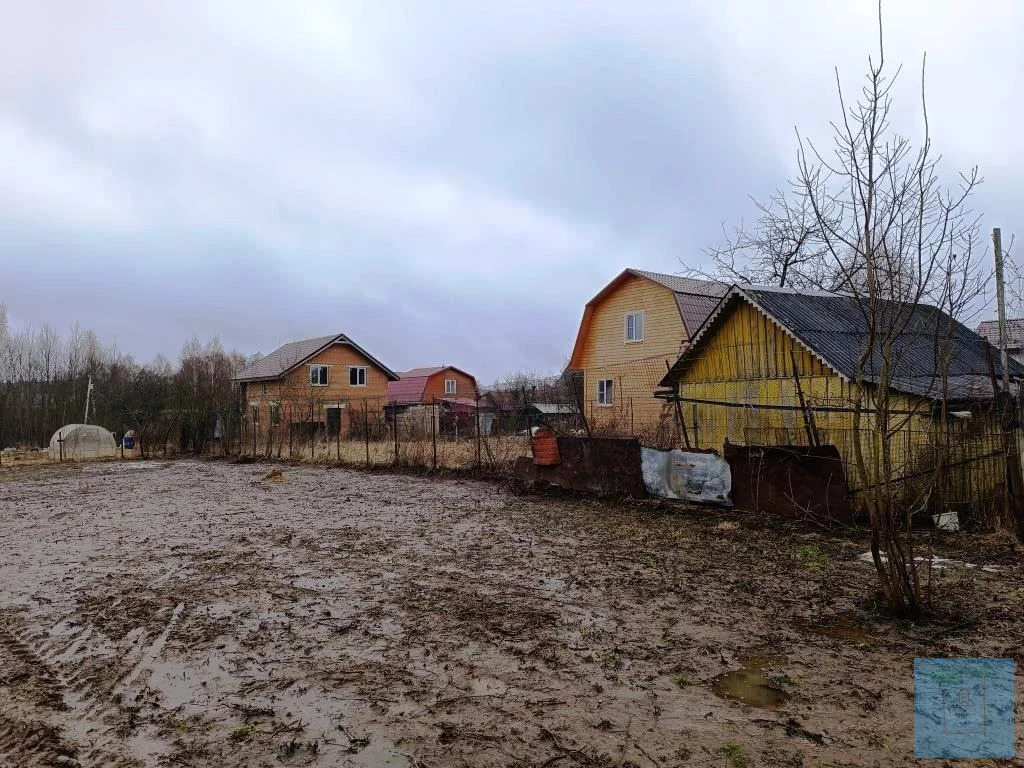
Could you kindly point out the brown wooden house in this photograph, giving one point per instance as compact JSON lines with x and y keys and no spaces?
{"x":313,"y":385}
{"x":422,"y":386}
{"x":443,"y":393}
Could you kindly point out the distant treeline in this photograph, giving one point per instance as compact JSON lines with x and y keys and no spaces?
{"x":44,"y":378}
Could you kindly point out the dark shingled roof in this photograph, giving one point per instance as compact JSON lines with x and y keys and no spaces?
{"x":835,"y":328}
{"x":284,"y":358}
{"x":1014,"y":332}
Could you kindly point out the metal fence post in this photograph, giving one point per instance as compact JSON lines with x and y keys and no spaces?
{"x":366,"y":431}
{"x":433,"y":429}
{"x":478,"y":437}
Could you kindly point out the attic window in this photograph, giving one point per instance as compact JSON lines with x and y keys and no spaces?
{"x":449,"y":386}
{"x":357,"y":376}
{"x":318,"y":375}
{"x":635,"y":326}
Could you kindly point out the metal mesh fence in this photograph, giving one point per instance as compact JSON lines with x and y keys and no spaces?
{"x":441,"y":434}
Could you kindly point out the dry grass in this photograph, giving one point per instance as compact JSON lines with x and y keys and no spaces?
{"x":496,"y":455}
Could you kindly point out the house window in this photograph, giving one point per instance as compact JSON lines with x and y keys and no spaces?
{"x":449,"y":386}
{"x":275,"y":414}
{"x":255,"y":415}
{"x":635,"y":326}
{"x":318,"y":375}
{"x":605,"y":391}
{"x":264,"y":387}
{"x":357,"y":376}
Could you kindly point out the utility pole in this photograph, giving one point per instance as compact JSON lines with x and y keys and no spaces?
{"x":88,"y":392}
{"x":997,"y":247}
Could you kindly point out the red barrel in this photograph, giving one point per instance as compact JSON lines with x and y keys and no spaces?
{"x":545,"y":448}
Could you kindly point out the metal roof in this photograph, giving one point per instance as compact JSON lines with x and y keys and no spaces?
{"x":408,"y":389}
{"x":294,"y":353}
{"x":681,"y":284}
{"x":835,"y":328}
{"x":696,"y":309}
{"x":411,"y":384}
{"x":413,"y":373}
{"x":1014,"y":332}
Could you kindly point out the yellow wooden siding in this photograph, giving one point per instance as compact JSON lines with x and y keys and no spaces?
{"x":635,"y":367}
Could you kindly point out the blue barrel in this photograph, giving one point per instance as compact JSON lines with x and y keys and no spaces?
{"x":129,"y":442}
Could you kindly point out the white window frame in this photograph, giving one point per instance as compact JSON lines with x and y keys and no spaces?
{"x":274,"y":415}
{"x":361,"y":368}
{"x":255,"y":408}
{"x":327,"y":375}
{"x":625,"y":326}
{"x":606,"y":392}
{"x":453,"y":389}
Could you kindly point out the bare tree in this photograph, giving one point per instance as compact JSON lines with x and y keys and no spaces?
{"x":871,"y":218}
{"x":783,"y":247}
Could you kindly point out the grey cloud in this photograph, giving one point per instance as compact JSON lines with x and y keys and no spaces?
{"x":444,"y":181}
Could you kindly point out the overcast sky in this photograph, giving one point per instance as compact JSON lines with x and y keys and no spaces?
{"x":442,"y":181}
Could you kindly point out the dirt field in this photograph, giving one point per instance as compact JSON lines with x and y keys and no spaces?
{"x":196,"y":614}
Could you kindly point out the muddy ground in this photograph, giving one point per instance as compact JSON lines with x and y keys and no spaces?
{"x":197,"y":614}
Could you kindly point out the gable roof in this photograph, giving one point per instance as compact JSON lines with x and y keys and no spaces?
{"x":695,"y":300}
{"x":835,"y":328}
{"x":415,"y":372}
{"x":411,"y":385}
{"x":293,"y":354}
{"x":989,"y":329}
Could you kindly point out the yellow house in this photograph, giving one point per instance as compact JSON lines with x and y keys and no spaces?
{"x":774,"y":366}
{"x":630,"y":333}
{"x":313,"y":386}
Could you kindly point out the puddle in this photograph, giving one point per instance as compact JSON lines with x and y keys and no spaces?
{"x":750,"y":685}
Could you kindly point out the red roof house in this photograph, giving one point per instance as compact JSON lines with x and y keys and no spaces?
{"x":428,"y":385}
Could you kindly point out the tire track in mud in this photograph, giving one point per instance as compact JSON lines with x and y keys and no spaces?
{"x":49,"y":685}
{"x":44,"y":686}
{"x":28,"y":735}
{"x":152,"y":653}
{"x":26,"y":742}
